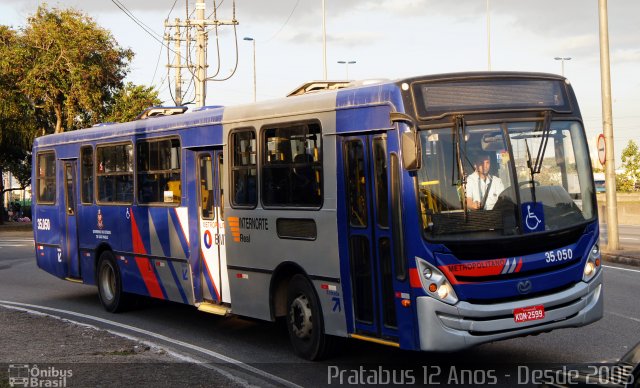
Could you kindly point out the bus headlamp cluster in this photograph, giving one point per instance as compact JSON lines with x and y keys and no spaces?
{"x":592,"y":266}
{"x":435,"y":283}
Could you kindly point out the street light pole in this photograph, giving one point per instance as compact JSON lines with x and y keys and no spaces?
{"x":562,"y":59}
{"x":488,"y":37}
{"x":254,"y":65}
{"x":607,"y":124}
{"x":347,"y":63}
{"x":324,"y":42}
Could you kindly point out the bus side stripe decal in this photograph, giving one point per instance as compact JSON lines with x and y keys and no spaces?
{"x":210,"y":282}
{"x":144,"y":265}
{"x":178,"y":283}
{"x":183,"y":219}
{"x":177,"y":230}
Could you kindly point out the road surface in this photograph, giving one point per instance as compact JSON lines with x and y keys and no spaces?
{"x":261,"y":349}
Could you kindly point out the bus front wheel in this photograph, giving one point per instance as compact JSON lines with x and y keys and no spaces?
{"x":110,"y":284}
{"x":304,"y":321}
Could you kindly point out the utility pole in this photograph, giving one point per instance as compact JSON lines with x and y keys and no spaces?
{"x":607,"y":124}
{"x":199,"y":69}
{"x":201,"y":49}
{"x":178,"y":66}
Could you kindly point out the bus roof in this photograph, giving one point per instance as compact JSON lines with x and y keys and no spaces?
{"x":359,"y":93}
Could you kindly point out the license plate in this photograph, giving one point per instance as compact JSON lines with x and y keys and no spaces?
{"x":526,"y":314}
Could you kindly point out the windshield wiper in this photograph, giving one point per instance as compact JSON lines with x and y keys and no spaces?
{"x":535,"y":167}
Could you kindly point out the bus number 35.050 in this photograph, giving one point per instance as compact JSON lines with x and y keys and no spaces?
{"x":559,"y":255}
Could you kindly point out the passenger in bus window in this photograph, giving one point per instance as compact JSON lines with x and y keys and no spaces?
{"x":303,"y":190}
{"x":483,"y":188}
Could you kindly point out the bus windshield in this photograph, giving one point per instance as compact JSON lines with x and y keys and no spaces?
{"x":476,"y":180}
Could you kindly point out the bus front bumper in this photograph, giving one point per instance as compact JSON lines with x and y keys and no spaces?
{"x":444,"y":327}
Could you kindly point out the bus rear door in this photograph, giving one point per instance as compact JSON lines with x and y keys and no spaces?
{"x":213,"y":263}
{"x":70,"y":238}
{"x":366,"y":181}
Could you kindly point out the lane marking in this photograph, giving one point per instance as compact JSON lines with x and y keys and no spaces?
{"x":623,"y":316}
{"x":179,"y":356}
{"x":621,"y":269}
{"x":187,"y":345}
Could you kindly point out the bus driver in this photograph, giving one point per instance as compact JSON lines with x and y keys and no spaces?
{"x":482,"y":187}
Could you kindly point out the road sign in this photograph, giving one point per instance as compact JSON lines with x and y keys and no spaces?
{"x":602,"y":156}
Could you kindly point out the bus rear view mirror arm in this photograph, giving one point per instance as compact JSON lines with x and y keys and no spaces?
{"x":411,"y":148}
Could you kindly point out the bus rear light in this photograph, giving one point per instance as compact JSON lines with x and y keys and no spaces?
{"x":434,"y":283}
{"x":406,"y":303}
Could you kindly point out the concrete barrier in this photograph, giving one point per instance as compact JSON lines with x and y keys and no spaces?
{"x":628,"y":208}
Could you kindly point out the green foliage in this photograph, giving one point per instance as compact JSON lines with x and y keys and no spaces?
{"x":18,"y":121}
{"x":60,"y":72}
{"x":72,"y":66}
{"x":631,"y":161}
{"x":130,"y":101}
{"x":624,"y":184}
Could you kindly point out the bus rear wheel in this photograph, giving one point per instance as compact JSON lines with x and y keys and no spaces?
{"x":110,"y":284}
{"x":304,"y":321}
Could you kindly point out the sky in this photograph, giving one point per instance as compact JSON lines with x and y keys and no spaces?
{"x":387,"y":39}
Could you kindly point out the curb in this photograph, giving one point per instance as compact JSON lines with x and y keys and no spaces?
{"x":621,"y":259}
{"x":16,"y":226}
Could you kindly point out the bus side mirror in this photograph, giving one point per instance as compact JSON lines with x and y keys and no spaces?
{"x":410,"y":142}
{"x":411,"y":151}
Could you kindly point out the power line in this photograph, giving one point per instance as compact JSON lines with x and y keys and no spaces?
{"x":162,"y":45}
{"x":285,"y":22}
{"x":144,"y":27}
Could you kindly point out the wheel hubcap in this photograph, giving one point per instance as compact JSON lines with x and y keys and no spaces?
{"x":301,"y":318}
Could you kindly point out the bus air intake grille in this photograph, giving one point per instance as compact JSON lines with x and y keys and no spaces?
{"x":296,"y":228}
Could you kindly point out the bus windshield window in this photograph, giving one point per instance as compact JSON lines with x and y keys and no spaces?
{"x":478,"y":187}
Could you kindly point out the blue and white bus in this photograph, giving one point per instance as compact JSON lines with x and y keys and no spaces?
{"x":433,"y":213}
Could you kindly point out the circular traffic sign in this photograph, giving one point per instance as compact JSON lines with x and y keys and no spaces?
{"x":602,"y":155}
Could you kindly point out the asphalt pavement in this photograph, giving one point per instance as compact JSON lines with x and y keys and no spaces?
{"x":264,"y":345}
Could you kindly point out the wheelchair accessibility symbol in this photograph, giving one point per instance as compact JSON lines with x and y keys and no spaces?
{"x":533,"y":217}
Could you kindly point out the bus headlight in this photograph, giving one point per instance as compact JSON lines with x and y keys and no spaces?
{"x":435,"y":283}
{"x":592,"y":266}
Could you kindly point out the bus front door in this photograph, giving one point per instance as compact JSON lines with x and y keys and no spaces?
{"x":369,"y":235}
{"x":213,"y":262}
{"x":70,"y":240}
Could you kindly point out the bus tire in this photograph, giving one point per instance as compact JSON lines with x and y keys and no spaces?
{"x":110,"y":284}
{"x":305,"y":323}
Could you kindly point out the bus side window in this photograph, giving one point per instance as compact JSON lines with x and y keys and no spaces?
{"x":291,"y":173}
{"x":159,"y":173}
{"x":243,"y":168}
{"x":86,"y":174}
{"x":46,"y":178}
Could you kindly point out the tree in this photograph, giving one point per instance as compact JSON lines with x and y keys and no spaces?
{"x":624,"y":184}
{"x":73,"y":67}
{"x":18,"y":120}
{"x":631,"y":161}
{"x":130,"y":101}
{"x":61,"y":72}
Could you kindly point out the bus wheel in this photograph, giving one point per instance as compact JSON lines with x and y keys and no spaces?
{"x":304,"y":320}
{"x":110,"y":283}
